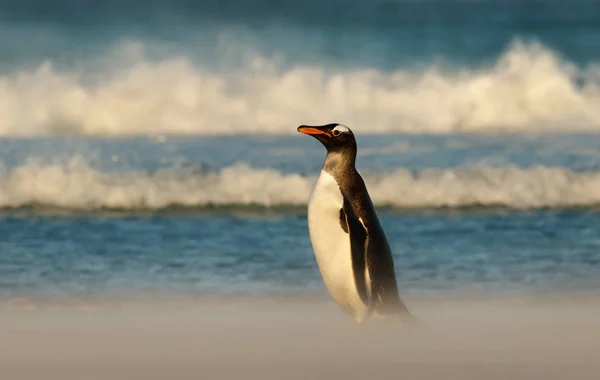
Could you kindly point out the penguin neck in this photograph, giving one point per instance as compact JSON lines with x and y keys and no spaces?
{"x":340,"y":161}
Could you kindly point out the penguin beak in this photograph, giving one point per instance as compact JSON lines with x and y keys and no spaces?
{"x":312,"y":131}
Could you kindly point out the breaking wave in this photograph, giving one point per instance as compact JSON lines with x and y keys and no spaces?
{"x":529,"y":88}
{"x":75,"y":185}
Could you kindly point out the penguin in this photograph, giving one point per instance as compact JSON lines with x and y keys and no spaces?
{"x":348,"y":240}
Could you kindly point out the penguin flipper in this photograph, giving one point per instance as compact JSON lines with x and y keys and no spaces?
{"x":358,"y":237}
{"x":385,"y":297}
{"x":383,"y":291}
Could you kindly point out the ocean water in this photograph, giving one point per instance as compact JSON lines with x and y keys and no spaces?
{"x":150,"y":148}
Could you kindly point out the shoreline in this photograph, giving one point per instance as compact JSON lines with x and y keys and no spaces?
{"x":290,"y":298}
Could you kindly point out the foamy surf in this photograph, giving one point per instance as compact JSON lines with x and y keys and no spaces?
{"x":76,"y":185}
{"x":529,"y":88}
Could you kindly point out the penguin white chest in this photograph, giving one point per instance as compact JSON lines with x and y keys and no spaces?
{"x":331,"y":243}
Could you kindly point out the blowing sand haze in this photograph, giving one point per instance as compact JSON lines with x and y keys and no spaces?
{"x":298,"y":339}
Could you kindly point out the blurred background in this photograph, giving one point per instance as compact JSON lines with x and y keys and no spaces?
{"x":149,"y":148}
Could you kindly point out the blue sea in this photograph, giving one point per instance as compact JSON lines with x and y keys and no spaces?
{"x":149,"y":148}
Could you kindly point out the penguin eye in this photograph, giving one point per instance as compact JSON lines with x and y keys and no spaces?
{"x":336,"y":133}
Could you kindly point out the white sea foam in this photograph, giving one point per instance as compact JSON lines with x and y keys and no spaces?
{"x":76,"y":185}
{"x":529,"y":88}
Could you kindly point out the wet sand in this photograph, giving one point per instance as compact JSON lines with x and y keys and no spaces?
{"x":461,"y":339}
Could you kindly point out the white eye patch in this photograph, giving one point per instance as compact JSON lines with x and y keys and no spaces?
{"x":341,"y":128}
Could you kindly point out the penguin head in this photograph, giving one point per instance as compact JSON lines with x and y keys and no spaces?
{"x":333,"y":136}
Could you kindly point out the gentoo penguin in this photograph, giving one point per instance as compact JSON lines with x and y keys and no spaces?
{"x":349,"y":243}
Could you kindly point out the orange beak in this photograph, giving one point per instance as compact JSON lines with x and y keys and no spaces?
{"x":312,"y":131}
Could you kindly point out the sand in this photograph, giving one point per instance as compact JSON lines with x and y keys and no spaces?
{"x":287,"y":339}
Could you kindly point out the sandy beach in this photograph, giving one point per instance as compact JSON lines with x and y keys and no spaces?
{"x":274,"y":339}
